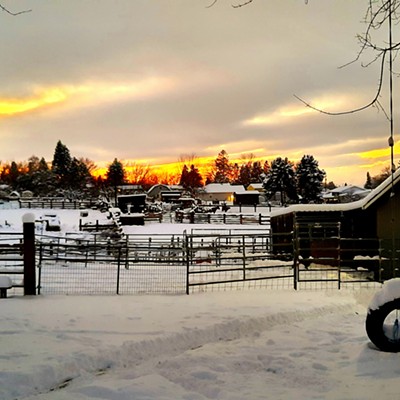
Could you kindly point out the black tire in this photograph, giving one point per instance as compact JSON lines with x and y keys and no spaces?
{"x":382,"y":334}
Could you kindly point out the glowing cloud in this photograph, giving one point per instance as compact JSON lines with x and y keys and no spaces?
{"x":17,"y":106}
{"x":288,"y":113}
{"x":90,"y":94}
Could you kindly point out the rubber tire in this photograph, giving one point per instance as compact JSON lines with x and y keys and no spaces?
{"x":374,"y":327}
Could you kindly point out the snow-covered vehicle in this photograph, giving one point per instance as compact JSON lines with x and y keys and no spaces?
{"x":382,"y":322}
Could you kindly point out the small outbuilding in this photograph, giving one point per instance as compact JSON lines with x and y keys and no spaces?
{"x":220,"y":192}
{"x":372,"y":223}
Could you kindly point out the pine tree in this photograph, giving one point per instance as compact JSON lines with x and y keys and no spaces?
{"x":195,"y":178}
{"x":309,"y":179}
{"x":79,"y":174}
{"x":43,"y":165}
{"x":256,"y":172}
{"x":184,"y":177}
{"x":62,"y":163}
{"x":245,"y":175}
{"x":115,"y":174}
{"x":368,"y":183}
{"x":191,"y":179}
{"x":281,"y":178}
{"x":223,"y":168}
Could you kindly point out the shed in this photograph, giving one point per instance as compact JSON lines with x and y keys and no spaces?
{"x":375,"y":217}
{"x":132,"y":203}
{"x":249,"y":198}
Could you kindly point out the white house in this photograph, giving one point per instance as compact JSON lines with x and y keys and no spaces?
{"x":220,"y":192}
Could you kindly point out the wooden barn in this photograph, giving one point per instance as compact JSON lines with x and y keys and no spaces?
{"x":369,"y":227}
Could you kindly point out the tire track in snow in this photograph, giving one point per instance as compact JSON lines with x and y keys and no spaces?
{"x":148,"y":352}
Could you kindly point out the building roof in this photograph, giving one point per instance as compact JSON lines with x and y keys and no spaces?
{"x":224,"y":188}
{"x":364,"y":203}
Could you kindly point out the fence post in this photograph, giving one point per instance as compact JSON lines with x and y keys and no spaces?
{"x":119,"y":268}
{"x":28,"y":221}
{"x":185,"y":248}
{"x":244,"y":257}
{"x":295,"y":257}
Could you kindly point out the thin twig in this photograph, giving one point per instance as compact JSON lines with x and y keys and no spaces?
{"x":371,"y":103}
{"x":12,"y":13}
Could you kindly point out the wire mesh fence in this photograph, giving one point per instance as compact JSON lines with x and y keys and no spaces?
{"x":11,"y":259}
{"x":132,"y":266}
{"x":201,"y":260}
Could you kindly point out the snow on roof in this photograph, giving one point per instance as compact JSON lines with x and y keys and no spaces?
{"x":256,"y":185}
{"x":318,"y":207}
{"x":224,"y":188}
{"x":347,"y":189}
{"x":364,"y":203}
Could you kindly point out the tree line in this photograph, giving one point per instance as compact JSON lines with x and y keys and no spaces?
{"x":70,"y":176}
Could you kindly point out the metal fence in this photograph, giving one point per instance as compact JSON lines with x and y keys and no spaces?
{"x":199,"y":260}
{"x":138,"y":264}
{"x":11,"y":258}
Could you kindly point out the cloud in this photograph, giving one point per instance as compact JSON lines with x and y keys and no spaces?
{"x":290,"y":113}
{"x":92,"y":93}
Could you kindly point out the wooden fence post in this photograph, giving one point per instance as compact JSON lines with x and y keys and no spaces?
{"x":28,"y":221}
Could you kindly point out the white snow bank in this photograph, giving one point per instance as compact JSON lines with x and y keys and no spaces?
{"x":48,"y":341}
{"x":389,"y":292}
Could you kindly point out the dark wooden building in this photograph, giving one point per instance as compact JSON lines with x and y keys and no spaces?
{"x":368,"y":227}
{"x":249,"y":198}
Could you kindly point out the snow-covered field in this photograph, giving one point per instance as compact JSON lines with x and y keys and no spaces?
{"x":223,"y":345}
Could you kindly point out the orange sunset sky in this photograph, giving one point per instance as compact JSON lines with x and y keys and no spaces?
{"x":149,"y":82}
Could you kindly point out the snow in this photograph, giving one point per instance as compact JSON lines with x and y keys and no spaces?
{"x":390,"y":291}
{"x":221,"y":345}
{"x":232,"y":345}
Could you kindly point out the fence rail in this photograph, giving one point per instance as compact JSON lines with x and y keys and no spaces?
{"x":57,"y":203}
{"x":221,"y":218}
{"x":11,"y":257}
{"x":201,"y":260}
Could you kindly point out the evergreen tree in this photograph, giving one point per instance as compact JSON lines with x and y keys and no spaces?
{"x":61,"y":164}
{"x":43,"y":165}
{"x":191,"y":179}
{"x":79,"y":174}
{"x":244,"y":175}
{"x":368,"y":182}
{"x":195,"y":178}
{"x":309,"y":179}
{"x":256,"y":172}
{"x":115,"y":174}
{"x":223,"y":168}
{"x":281,"y":178}
{"x":184,"y":177}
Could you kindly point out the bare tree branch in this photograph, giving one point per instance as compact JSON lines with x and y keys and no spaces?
{"x":13,"y":13}
{"x":210,"y":5}
{"x":374,"y":18}
{"x":374,"y":101}
{"x":242,"y":4}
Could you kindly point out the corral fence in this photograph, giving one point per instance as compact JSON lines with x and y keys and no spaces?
{"x":221,"y":218}
{"x":57,"y":203}
{"x":200,"y":260}
{"x":11,"y":257}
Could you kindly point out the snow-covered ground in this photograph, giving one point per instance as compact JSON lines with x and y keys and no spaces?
{"x":223,"y":345}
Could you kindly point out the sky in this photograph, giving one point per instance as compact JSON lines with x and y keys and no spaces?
{"x":151,"y":82}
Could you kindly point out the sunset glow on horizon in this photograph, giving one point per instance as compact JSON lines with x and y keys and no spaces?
{"x":148,"y":81}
